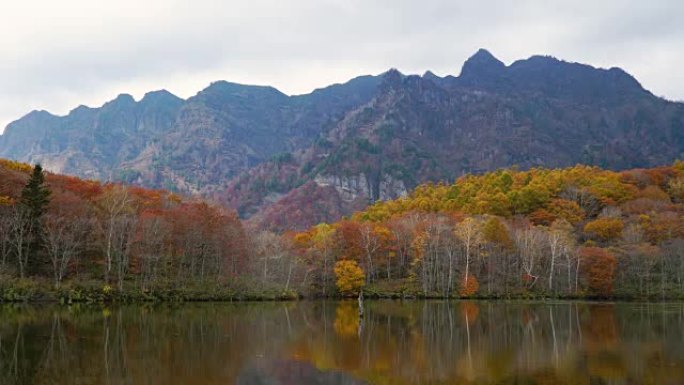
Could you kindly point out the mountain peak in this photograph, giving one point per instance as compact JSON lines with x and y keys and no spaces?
{"x":159,"y":96}
{"x":158,"y":93}
{"x":483,"y":54}
{"x":392,"y":73}
{"x":430,"y":75}
{"x":482,"y":65}
{"x":392,"y":78}
{"x":225,"y":89}
{"x":121,"y":99}
{"x":38,"y":114}
{"x":124,"y":98}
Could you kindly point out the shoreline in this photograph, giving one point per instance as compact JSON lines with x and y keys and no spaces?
{"x":33,"y":292}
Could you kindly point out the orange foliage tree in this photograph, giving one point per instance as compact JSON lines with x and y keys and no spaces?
{"x":468,"y":286}
{"x":599,"y":270}
{"x":350,"y":277}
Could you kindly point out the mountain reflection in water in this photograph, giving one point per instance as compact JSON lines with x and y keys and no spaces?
{"x":288,"y":372}
{"x":325,"y":342}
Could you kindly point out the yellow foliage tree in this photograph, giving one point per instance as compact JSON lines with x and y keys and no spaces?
{"x":565,"y":209}
{"x":494,"y":231}
{"x":606,"y":229}
{"x":350,"y":277}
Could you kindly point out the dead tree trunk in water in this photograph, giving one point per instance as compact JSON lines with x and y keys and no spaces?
{"x":360,"y":304}
{"x":361,"y":319}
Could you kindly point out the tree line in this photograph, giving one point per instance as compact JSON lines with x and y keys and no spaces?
{"x":62,"y":228}
{"x":574,"y":232}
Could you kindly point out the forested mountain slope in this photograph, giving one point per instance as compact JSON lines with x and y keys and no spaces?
{"x":538,"y":112}
{"x":268,"y":155}
{"x":579,"y":231}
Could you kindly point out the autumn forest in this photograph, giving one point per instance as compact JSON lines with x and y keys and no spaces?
{"x":579,"y":232}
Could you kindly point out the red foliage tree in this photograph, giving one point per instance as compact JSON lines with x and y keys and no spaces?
{"x":598,"y":270}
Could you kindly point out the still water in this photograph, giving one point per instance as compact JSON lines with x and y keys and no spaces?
{"x":317,"y":342}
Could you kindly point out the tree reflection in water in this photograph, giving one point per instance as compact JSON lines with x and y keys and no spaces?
{"x":317,"y":342}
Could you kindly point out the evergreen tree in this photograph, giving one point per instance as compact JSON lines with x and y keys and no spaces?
{"x":35,"y":198}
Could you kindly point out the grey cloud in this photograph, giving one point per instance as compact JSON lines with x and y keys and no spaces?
{"x":69,"y":56}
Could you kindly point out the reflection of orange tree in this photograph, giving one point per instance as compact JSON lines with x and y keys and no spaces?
{"x":326,"y":350}
{"x":373,"y":355}
{"x":601,"y":339}
{"x":346,"y":319}
{"x":377,"y":366}
{"x":600,"y":332}
{"x":470,"y":310}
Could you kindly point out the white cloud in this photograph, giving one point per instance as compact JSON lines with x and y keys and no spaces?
{"x":59,"y":54}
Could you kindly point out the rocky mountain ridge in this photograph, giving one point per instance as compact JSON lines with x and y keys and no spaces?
{"x":290,"y":161}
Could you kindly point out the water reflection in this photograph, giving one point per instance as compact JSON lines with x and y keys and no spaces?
{"x":415,"y":342}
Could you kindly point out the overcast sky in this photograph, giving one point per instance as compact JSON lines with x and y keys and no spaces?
{"x":56,"y":55}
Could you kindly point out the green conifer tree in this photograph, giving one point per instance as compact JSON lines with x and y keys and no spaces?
{"x":35,"y":198}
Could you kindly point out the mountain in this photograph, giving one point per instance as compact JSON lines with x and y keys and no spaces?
{"x":92,"y":142}
{"x":536,"y":112}
{"x":290,"y":161}
{"x":189,"y":145}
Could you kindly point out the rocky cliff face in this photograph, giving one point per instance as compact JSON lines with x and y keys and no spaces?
{"x":383,"y":187}
{"x":322,"y":155}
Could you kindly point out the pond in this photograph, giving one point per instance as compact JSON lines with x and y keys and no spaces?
{"x":326,"y":342}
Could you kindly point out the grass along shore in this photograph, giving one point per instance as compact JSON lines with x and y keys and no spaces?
{"x":40,"y":291}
